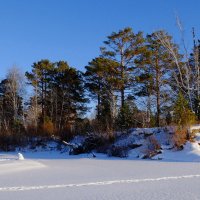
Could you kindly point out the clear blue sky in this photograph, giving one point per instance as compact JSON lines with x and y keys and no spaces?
{"x":73,"y":30}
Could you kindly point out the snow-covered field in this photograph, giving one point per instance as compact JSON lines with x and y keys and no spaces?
{"x":50,"y":176}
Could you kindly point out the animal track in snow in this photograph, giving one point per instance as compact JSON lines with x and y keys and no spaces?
{"x":100,"y":183}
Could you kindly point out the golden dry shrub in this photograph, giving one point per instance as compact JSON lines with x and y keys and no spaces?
{"x":180,"y":137}
{"x":48,"y":127}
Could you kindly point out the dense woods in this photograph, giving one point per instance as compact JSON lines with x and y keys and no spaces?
{"x":137,"y":81}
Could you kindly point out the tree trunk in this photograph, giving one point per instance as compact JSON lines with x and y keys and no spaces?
{"x":122,"y":98}
{"x":157,"y":93}
{"x":98,"y":107}
{"x":158,"y":108}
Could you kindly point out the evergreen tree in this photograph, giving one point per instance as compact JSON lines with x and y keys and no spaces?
{"x":40,"y":78}
{"x":101,"y":80}
{"x":59,"y":92}
{"x":144,"y":90}
{"x":123,"y":47}
{"x":156,"y":69}
{"x":194,"y":63}
{"x":127,"y":116}
{"x":69,"y":101}
{"x":182,"y":115}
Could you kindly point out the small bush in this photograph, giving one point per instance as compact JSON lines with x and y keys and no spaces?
{"x":118,"y":151}
{"x":183,"y":116}
{"x":8,"y":142}
{"x":152,"y":147}
{"x":48,"y":127}
{"x":179,"y":138}
{"x":103,"y":148}
{"x":192,"y":134}
{"x":66,"y":134}
{"x":76,"y":150}
{"x":93,"y":142}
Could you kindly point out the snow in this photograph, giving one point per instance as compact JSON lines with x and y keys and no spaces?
{"x":102,"y":183}
{"x":48,"y":174}
{"x":13,"y":166}
{"x":194,"y":127}
{"x":190,"y":153}
{"x":20,"y":156}
{"x":86,"y":178}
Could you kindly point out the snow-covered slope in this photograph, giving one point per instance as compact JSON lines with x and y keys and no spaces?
{"x":154,"y":143}
{"x":190,"y":153}
{"x":163,"y":138}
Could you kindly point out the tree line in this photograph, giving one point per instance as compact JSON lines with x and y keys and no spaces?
{"x":137,"y":81}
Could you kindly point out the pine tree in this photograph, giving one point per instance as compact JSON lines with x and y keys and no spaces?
{"x":70,"y":101}
{"x":123,"y":47}
{"x":40,"y":78}
{"x":182,"y":115}
{"x":101,"y":80}
{"x":60,"y":93}
{"x":127,"y":116}
{"x":156,"y":65}
{"x":194,"y":63}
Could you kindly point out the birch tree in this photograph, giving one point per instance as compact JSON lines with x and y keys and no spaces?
{"x":15,"y":88}
{"x":11,"y":101}
{"x":186,"y":74}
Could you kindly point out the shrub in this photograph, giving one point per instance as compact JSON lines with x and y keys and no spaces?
{"x":8,"y":142}
{"x":103,"y":148}
{"x":152,"y":147}
{"x":94,"y":142}
{"x":118,"y":151}
{"x":76,"y":150}
{"x":48,"y":127}
{"x":192,"y":133}
{"x":183,"y":116}
{"x":179,"y":138}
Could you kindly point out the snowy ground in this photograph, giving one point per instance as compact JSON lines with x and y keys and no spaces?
{"x":83,"y":177}
{"x":49,"y":174}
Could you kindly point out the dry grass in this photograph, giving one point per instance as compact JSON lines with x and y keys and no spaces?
{"x":180,"y":137}
{"x":48,"y":128}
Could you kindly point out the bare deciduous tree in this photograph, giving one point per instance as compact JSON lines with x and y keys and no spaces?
{"x":187,"y":77}
{"x":15,"y":88}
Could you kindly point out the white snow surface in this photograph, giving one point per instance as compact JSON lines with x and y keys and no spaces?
{"x":50,"y":174}
{"x":20,"y":156}
{"x":190,"y":153}
{"x":58,"y":176}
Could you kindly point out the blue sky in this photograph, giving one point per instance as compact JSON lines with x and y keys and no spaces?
{"x":73,"y":30}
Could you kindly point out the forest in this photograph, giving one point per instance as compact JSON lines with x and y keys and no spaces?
{"x":137,"y":80}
